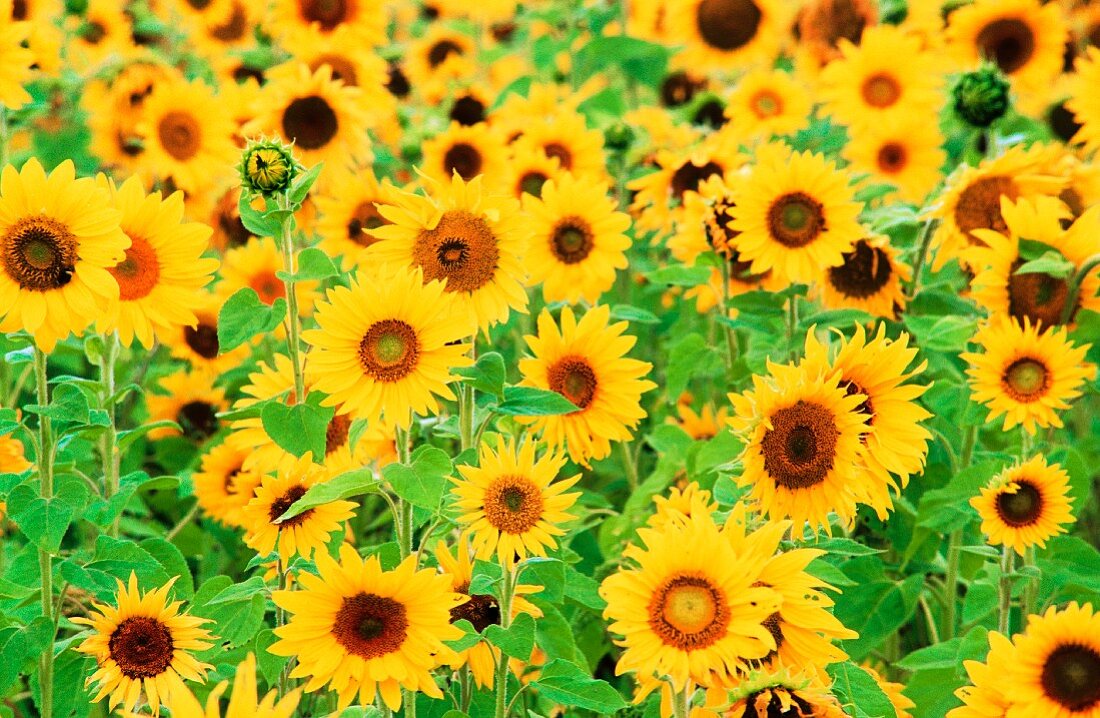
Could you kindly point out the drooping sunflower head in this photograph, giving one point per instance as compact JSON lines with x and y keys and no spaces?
{"x":1056,"y":670}
{"x":58,"y":238}
{"x":142,"y":646}
{"x":804,"y":450}
{"x":782,"y":695}
{"x":688,"y":610}
{"x":512,"y":503}
{"x":1026,"y":374}
{"x":1025,"y":505}
{"x":223,"y":486}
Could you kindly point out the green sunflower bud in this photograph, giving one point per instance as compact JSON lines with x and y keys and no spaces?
{"x":982,"y":96}
{"x":618,"y":136}
{"x":268,"y":167}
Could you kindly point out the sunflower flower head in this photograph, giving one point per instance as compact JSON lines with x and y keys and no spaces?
{"x":982,"y":96}
{"x":1025,"y":505}
{"x":268,"y":167}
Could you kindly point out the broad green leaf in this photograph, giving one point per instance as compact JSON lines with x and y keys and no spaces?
{"x":243,"y":316}
{"x":633,"y":314}
{"x":531,"y":401}
{"x":299,"y":428}
{"x":350,"y":483}
{"x":517,"y":640}
{"x":313,"y":265}
{"x":680,"y":275}
{"x":486,"y":375}
{"x":43,"y":521}
{"x":302,"y":184}
{"x":423,"y":482}
{"x":877,"y":610}
{"x":566,"y":683}
{"x":1051,"y":263}
{"x":856,"y":689}
{"x":470,"y":636}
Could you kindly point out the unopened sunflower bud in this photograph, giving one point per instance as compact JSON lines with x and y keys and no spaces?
{"x":618,"y":136}
{"x":982,"y":96}
{"x":268,"y":167}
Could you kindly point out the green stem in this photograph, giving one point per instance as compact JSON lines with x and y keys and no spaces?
{"x":1075,"y":287}
{"x":3,"y":136}
{"x":1004,"y":590}
{"x":951,"y":584}
{"x":294,"y":322}
{"x":630,"y":466}
{"x":109,"y":452}
{"x":280,"y":620}
{"x":500,"y":684}
{"x":45,"y":564}
{"x":922,"y":256}
{"x":792,"y":325}
{"x":731,"y":337}
{"x":1031,"y":591}
{"x":681,"y":702}
{"x":466,"y":412}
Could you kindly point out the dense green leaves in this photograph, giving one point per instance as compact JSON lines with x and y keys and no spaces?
{"x":243,"y":316}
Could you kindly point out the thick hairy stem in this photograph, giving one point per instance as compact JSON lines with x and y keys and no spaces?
{"x":951,"y":584}
{"x":109,"y":442}
{"x":1004,"y":590}
{"x":922,"y":256}
{"x":500,"y":684}
{"x":294,"y":322}
{"x":45,"y":563}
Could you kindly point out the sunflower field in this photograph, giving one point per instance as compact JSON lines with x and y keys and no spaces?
{"x":554,"y":359}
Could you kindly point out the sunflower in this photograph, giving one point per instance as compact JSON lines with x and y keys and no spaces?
{"x":471,"y":105}
{"x":766,"y":103}
{"x":58,"y":238}
{"x":689,"y":609}
{"x":244,"y":703}
{"x":1025,"y":38}
{"x":782,"y":694}
{"x":142,"y":646}
{"x":566,"y":138}
{"x":13,"y":458}
{"x":585,"y":361}
{"x":972,"y":198}
{"x":1025,"y":505}
{"x":681,"y":505}
{"x":187,"y":136}
{"x":352,"y":23}
{"x":473,"y":240}
{"x":904,"y":152}
{"x":823,"y":27}
{"x":869,"y":278}
{"x":199,"y":11}
{"x":326,"y":120}
{"x":103,"y":33}
{"x":257,"y":265}
{"x":232,"y":32}
{"x":224,"y":217}
{"x":1057,"y":666}
{"x":795,"y":214}
{"x":163,"y":268}
{"x":191,"y":402}
{"x":199,"y":344}
{"x":1084,"y":103}
{"x":578,"y":242}
{"x":482,"y":611}
{"x":15,"y":68}
{"x":223,"y":486}
{"x":511,"y":503}
{"x":804,"y":454}
{"x":529,"y":169}
{"x":466,"y":151}
{"x":1025,"y":374}
{"x":304,"y":534}
{"x":386,"y":346}
{"x":868,"y":84}
{"x":433,"y":62}
{"x":802,"y":626}
{"x":1040,"y":298}
{"x":702,"y":425}
{"x":986,"y":696}
{"x":360,"y":629}
{"x":724,"y":34}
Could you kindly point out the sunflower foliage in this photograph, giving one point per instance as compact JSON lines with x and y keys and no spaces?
{"x":662,"y":358}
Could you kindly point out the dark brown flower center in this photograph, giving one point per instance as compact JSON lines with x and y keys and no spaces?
{"x":979,"y":206}
{"x":689,"y":176}
{"x":513,"y":504}
{"x":574,"y":378}
{"x":779,"y":703}
{"x":765,"y":104}
{"x":198,"y":420}
{"x":369,"y":625}
{"x":481,"y":610}
{"x":463,"y":158}
{"x":892,"y":157}
{"x":688,"y":613}
{"x":336,"y":435}
{"x":881,"y":90}
{"x":468,"y":111}
{"x":800,"y":448}
{"x":1071,"y":677}
{"x":365,"y":216}
{"x":310,"y":122}
{"x":1007,"y":41}
{"x":532,"y":183}
{"x":557,"y":150}
{"x":571,"y":240}
{"x":396,"y":82}
{"x":1022,"y":508}
{"x":1026,"y":380}
{"x":280,"y":506}
{"x":326,"y":13}
{"x":1036,"y":296}
{"x":142,"y":647}
{"x":728,"y":25}
{"x":389,"y":351}
{"x":863,"y":273}
{"x":342,"y":68}
{"x":440,"y":51}
{"x":203,"y":340}
{"x":796,"y":219}
{"x":461,"y":249}
{"x":1063,"y":123}
{"x":234,"y":28}
{"x":39,"y":253}
{"x":677,"y":89}
{"x":180,"y":135}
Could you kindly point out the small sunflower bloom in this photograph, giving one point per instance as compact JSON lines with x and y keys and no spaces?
{"x":268,"y":167}
{"x":1025,"y":505}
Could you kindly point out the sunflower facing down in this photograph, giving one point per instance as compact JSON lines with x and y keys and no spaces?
{"x":578,"y":241}
{"x":689,"y":609}
{"x":59,"y":236}
{"x":243,"y":703}
{"x":870,"y":278}
{"x":142,"y":646}
{"x":386,"y":346}
{"x":1026,"y":374}
{"x":163,"y":268}
{"x":804,"y":452}
{"x":223,"y":486}
{"x":481,"y":611}
{"x":585,"y":361}
{"x":362,"y":630}
{"x":1025,"y":505}
{"x":461,"y":234}
{"x":795,"y":214}
{"x":301,"y":535}
{"x":510,"y":502}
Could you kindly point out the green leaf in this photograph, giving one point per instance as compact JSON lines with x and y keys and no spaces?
{"x":43,"y":521}
{"x":243,"y":316}
{"x":856,"y":688}
{"x":583,"y":589}
{"x":640,"y":60}
{"x":485,"y":578}
{"x":1052,"y":263}
{"x":269,"y":664}
{"x":299,"y":428}
{"x":567,"y":683}
{"x":517,"y":640}
{"x":486,"y":375}
{"x":261,"y":224}
{"x":301,"y":185}
{"x":238,"y":592}
{"x":237,"y":621}
{"x":423,"y":482}
{"x":171,"y":559}
{"x":470,"y":636}
{"x":531,"y":401}
{"x":634,"y":314}
{"x":843,"y":547}
{"x":877,"y":610}
{"x":350,"y":483}
{"x":313,"y":265}
{"x":18,"y":645}
{"x":680,"y":275}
